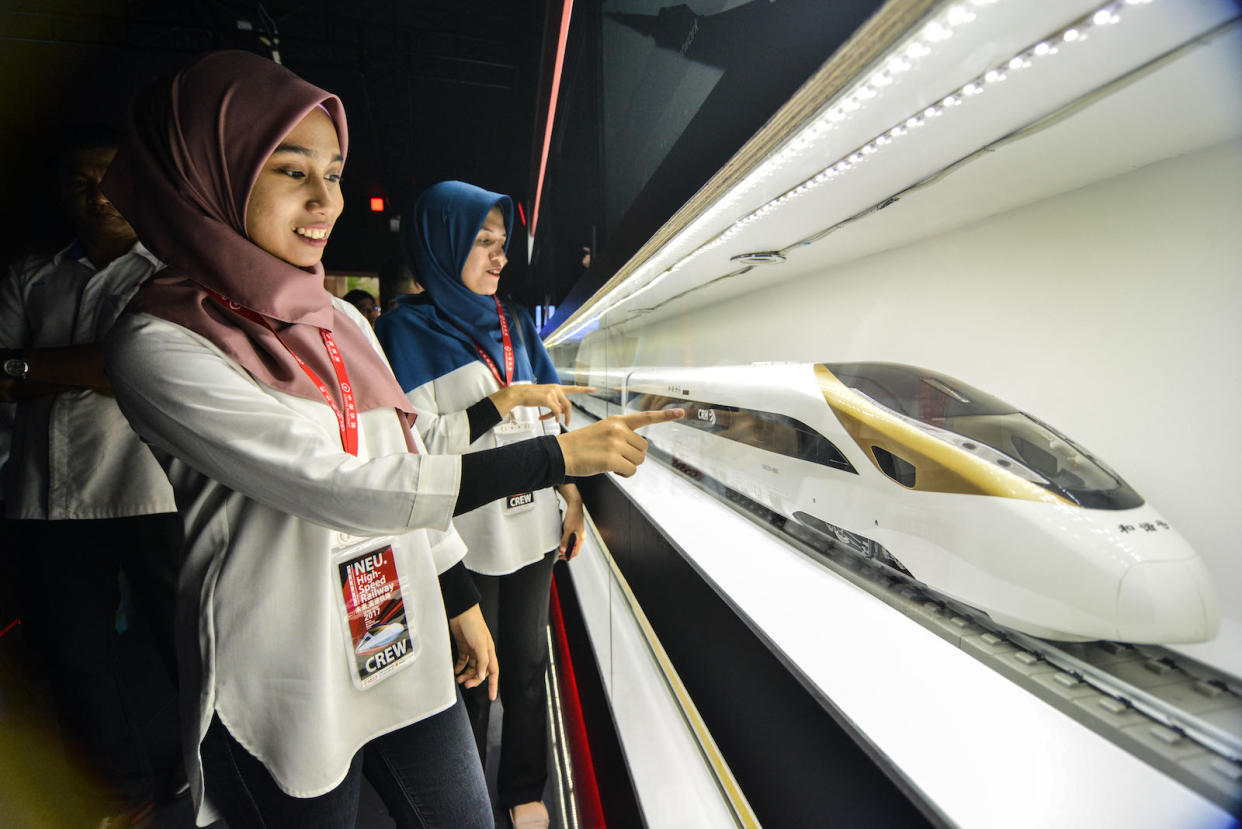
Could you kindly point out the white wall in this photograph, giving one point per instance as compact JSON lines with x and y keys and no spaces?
{"x":1113,"y":312}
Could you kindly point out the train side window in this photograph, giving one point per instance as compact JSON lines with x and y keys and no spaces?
{"x":818,"y":449}
{"x":900,"y":470}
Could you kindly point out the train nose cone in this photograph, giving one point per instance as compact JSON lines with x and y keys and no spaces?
{"x":1166,"y":602}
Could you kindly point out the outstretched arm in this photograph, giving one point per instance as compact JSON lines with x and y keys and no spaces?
{"x":186,"y":397}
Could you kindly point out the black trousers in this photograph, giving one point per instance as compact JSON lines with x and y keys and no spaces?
{"x":427,"y":774}
{"x":515,"y":607}
{"x":68,"y":598}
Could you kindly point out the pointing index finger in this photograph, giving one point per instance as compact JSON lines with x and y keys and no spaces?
{"x":638,"y":420}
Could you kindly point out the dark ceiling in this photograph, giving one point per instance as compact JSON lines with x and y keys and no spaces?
{"x":434,"y":89}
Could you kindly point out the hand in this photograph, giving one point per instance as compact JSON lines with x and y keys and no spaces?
{"x":572,"y":524}
{"x":611,"y":445}
{"x":476,"y":660}
{"x":550,"y":396}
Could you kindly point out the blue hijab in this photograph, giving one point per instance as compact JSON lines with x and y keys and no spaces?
{"x":430,"y":334}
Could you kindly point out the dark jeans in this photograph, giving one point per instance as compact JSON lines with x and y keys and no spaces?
{"x":68,"y":599}
{"x":515,"y":607}
{"x":427,"y":774}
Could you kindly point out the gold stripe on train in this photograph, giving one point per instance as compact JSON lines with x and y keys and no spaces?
{"x":939,"y":466}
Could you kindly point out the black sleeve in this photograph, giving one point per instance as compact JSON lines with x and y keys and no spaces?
{"x":482,"y":416}
{"x":506,"y":470}
{"x":458,"y":590}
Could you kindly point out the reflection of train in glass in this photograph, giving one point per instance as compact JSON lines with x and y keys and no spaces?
{"x":968,"y":495}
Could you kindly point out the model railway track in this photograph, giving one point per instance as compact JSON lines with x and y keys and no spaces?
{"x":1109,"y":666}
{"x":1178,"y":715}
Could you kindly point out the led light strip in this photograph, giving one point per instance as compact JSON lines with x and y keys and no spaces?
{"x":903,"y":58}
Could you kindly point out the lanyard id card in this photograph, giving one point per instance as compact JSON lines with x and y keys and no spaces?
{"x":347,"y":417}
{"x":519,"y":502}
{"x":506,"y":345}
{"x":378,"y":637}
{"x":513,"y":432}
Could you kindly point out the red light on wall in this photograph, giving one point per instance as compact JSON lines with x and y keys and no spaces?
{"x":377,"y":204}
{"x":521,"y":214}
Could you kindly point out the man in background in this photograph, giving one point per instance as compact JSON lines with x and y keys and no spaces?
{"x":84,"y":497}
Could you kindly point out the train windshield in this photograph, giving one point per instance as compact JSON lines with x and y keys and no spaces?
{"x":990,"y":429}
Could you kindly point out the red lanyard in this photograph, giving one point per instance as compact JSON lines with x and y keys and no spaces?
{"x":347,"y":420}
{"x":508,"y":349}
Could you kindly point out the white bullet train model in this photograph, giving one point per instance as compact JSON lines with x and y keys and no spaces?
{"x":964,"y":493}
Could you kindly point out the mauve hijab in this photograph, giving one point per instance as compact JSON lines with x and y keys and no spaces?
{"x":182,"y":178}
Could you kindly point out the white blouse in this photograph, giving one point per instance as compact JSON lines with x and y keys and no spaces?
{"x":73,"y":454}
{"x":501,"y":538}
{"x":266,"y":492}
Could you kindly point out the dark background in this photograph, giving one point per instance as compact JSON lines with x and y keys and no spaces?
{"x":638,"y":129}
{"x":434,"y":89}
{"x":440,"y":89}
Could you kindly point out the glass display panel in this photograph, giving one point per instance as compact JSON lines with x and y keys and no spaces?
{"x":1010,"y":235}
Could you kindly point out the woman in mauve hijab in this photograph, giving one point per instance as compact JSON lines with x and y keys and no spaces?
{"x":322,"y":576}
{"x":477,"y":374}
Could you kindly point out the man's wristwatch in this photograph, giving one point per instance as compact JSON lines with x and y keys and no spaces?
{"x":16,"y":367}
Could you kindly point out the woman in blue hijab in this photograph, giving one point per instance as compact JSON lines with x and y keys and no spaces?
{"x":478,"y":377}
